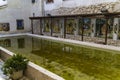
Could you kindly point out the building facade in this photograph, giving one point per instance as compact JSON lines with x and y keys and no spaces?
{"x":3,"y":3}
{"x":94,"y":29}
{"x":14,"y":16}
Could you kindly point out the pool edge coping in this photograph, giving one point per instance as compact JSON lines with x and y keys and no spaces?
{"x":78,"y":42}
{"x":92,"y":44}
{"x":109,"y":47}
{"x":35,"y":66}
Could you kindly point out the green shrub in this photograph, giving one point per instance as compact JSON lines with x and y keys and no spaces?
{"x":15,"y":63}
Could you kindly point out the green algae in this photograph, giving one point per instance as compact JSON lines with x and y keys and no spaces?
{"x":71,"y":61}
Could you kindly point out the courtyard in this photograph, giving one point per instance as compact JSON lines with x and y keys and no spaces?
{"x":61,"y":39}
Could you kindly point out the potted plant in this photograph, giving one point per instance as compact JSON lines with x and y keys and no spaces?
{"x":15,"y":66}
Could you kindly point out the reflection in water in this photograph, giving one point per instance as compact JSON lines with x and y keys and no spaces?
{"x":73,"y":62}
{"x":21,"y":43}
{"x":5,"y":43}
{"x":67,"y":49}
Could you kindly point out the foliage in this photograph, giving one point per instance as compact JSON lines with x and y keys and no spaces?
{"x":15,"y":63}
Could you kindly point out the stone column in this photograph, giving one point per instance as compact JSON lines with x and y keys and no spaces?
{"x":40,"y":26}
{"x":62,"y":27}
{"x":115,"y":28}
{"x":51,"y":26}
{"x":77,"y":27}
{"x":93,"y":27}
{"x":32,"y":26}
{"x":49,"y":23}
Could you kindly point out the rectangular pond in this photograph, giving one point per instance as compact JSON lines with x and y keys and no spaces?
{"x":70,"y":61}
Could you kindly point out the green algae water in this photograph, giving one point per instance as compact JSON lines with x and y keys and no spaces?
{"x":70,"y":61}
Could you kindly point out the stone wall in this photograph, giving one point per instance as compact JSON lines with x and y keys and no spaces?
{"x":19,"y":10}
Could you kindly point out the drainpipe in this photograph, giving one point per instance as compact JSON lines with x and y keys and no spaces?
{"x":43,"y":8}
{"x":32,"y":26}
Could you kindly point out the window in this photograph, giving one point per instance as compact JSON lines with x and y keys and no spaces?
{"x":20,"y":24}
{"x":49,"y":1}
{"x":21,"y":43}
{"x":33,"y":1}
{"x":5,"y":43}
{"x":4,"y":26}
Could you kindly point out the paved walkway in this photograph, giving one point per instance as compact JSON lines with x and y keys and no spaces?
{"x":2,"y":76}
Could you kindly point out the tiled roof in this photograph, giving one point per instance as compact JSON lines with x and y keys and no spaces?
{"x":111,"y":7}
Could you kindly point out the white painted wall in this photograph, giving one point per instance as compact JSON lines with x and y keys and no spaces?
{"x":73,"y":3}
{"x":3,"y":2}
{"x":36,"y":8}
{"x":19,"y":9}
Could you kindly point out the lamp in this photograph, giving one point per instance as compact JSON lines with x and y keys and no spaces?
{"x":33,"y":1}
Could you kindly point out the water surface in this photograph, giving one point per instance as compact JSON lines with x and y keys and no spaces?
{"x":72,"y":62}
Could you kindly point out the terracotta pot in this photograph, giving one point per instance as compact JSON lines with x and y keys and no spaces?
{"x":16,"y":75}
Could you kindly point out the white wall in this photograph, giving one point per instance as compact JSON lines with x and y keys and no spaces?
{"x":73,"y":3}
{"x":50,"y":6}
{"x":36,"y":8}
{"x":16,"y":9}
{"x":2,"y":3}
{"x":19,"y":9}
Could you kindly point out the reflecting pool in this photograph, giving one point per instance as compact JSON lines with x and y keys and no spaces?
{"x":71,"y":61}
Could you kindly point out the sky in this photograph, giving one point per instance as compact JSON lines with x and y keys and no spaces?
{"x":2,"y":2}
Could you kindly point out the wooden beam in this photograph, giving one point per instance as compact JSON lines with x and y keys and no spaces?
{"x":79,"y":15}
{"x":106,"y":31}
{"x":64,"y":27}
{"x":40,"y":26}
{"x":51,"y":26}
{"x":82,"y":36}
{"x":43,"y":24}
